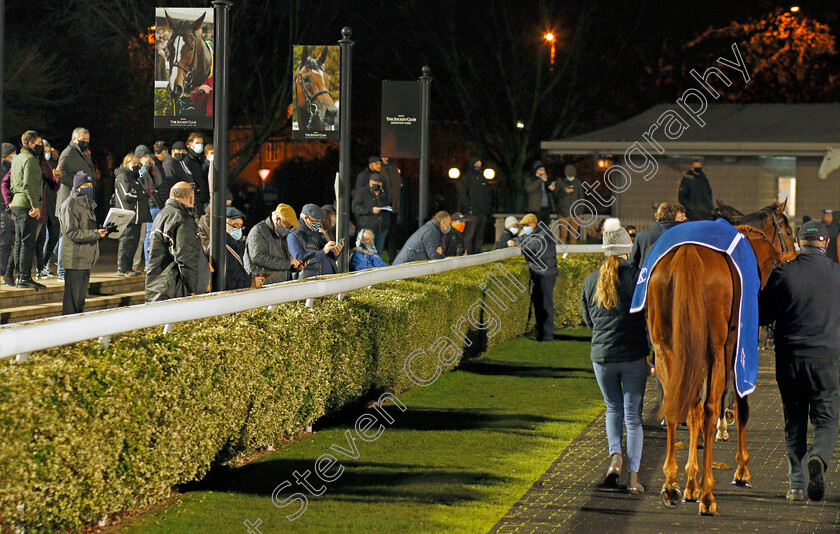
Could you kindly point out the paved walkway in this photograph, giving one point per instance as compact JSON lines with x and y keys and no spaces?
{"x":569,"y":496}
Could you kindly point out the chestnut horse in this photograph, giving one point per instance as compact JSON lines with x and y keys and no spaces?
{"x":692,"y":317}
{"x":315,"y":107}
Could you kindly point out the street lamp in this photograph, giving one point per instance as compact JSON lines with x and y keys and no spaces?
{"x":454,"y":173}
{"x":550,"y":38}
{"x":263,"y":176}
{"x":520,"y":125}
{"x":794,"y":9}
{"x":489,"y":174}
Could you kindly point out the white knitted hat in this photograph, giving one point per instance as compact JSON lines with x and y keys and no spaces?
{"x":616,"y":240}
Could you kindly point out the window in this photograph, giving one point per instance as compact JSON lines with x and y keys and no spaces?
{"x":787,"y":190}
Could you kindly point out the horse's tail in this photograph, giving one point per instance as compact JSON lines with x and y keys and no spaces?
{"x":686,"y":383}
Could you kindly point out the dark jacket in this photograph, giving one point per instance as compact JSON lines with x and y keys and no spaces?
{"x":267,"y":251}
{"x":80,"y":246}
{"x":802,"y":296}
{"x":475,"y":193}
{"x":363,"y":204}
{"x":646,"y":238}
{"x":564,"y":199}
{"x":534,"y":190}
{"x":236,"y":277}
{"x":5,"y":168}
{"x":71,"y":161}
{"x":453,"y":243}
{"x":306,"y":244}
{"x":696,"y":196}
{"x":540,"y":252}
{"x":50,"y":192}
{"x":833,"y":231}
{"x":176,"y":171}
{"x":26,"y":182}
{"x":422,"y":245}
{"x":504,"y":238}
{"x":392,"y":183}
{"x":202,"y":189}
{"x":362,"y":179}
{"x":175,"y":255}
{"x":131,"y":196}
{"x":150,"y":181}
{"x":617,"y":334}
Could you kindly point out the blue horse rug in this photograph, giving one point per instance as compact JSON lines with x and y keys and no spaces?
{"x":721,"y":236}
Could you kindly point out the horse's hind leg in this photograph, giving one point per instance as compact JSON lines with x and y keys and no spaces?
{"x":695,"y":422}
{"x":742,"y":415}
{"x":671,"y":494}
{"x":711,"y":407}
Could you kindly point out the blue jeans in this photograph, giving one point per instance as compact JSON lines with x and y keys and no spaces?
{"x":379,"y":241}
{"x":154,"y":212}
{"x":623,"y":387}
{"x":58,"y":255}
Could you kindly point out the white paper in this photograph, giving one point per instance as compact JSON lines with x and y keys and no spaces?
{"x":386,"y":208}
{"x":119,"y":217}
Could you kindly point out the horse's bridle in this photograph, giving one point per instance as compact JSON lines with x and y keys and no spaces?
{"x":310,"y":99}
{"x":188,"y":72}
{"x":779,"y":232}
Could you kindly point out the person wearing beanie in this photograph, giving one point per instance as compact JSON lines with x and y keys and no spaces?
{"x":539,"y":247}
{"x":75,"y":157}
{"x":508,"y":237}
{"x":801,"y":297}
{"x":80,"y":244}
{"x":363,"y":178}
{"x":619,"y":350}
{"x":175,"y":167}
{"x":570,"y":191}
{"x":476,"y":196}
{"x":542,"y":193}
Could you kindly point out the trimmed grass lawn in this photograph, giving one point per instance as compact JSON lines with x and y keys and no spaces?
{"x":462,"y":453}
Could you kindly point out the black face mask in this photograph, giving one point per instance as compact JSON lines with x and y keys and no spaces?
{"x":39,"y":150}
{"x":698,"y":170}
{"x":84,"y":145}
{"x":375,"y":187}
{"x":179,"y":156}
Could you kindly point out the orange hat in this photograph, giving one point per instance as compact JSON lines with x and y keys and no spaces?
{"x":528,"y":219}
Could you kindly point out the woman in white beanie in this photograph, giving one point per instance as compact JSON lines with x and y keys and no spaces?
{"x":511,"y":229}
{"x":619,"y":348}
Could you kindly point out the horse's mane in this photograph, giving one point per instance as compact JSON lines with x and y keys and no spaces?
{"x":759,"y":218}
{"x":749,"y":230}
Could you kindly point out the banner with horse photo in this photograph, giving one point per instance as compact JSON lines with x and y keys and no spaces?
{"x":184,"y":67}
{"x":315,"y":84}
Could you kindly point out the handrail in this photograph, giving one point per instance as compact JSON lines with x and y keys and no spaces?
{"x":30,"y":336}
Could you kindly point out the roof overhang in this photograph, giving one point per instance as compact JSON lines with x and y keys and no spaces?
{"x":689,"y":149}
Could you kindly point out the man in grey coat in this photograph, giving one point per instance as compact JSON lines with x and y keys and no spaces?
{"x":425,"y":243}
{"x":74,"y":158}
{"x":267,"y":257}
{"x":80,"y":244}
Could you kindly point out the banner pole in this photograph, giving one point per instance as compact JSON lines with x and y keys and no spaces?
{"x":344,"y":182}
{"x":220,"y":142}
{"x":423,"y":207}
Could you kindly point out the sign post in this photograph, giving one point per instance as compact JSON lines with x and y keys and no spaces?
{"x":220,"y":130}
{"x":425,"y":82}
{"x":344,"y":182}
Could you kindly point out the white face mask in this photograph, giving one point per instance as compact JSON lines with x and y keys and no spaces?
{"x":514,"y":230}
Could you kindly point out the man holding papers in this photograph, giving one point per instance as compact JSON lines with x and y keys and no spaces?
{"x":373,"y":210}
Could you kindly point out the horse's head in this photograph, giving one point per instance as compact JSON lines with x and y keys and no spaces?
{"x":774,"y":223}
{"x":312,"y":88}
{"x":183,"y":53}
{"x":725,"y":211}
{"x":830,"y":162}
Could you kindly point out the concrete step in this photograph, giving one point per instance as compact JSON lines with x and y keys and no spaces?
{"x":52,"y":309}
{"x":12,"y":297}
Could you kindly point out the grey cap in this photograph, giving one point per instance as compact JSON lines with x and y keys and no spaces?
{"x":142,"y":150}
{"x":8,"y":149}
{"x":376,"y":177}
{"x":313,"y":211}
{"x":616,"y":240}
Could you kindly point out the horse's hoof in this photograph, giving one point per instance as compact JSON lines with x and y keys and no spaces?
{"x":711,"y":511}
{"x":691,"y":498}
{"x":741,"y":483}
{"x":671,"y":498}
{"x":722,"y":435}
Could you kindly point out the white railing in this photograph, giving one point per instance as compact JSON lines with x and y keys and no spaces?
{"x":21,"y":339}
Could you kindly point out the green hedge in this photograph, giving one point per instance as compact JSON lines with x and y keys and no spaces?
{"x":88,"y":431}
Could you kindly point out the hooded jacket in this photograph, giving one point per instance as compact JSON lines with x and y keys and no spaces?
{"x":696,"y":196}
{"x":475,"y":192}
{"x":80,"y":246}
